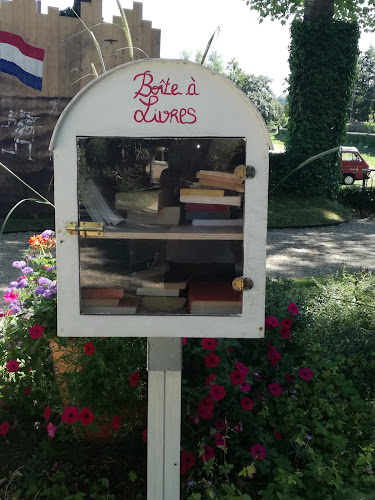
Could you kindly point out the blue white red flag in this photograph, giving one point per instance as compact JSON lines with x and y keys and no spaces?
{"x":22,"y":60}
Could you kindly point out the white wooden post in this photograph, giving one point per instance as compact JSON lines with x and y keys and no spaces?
{"x":164,"y":418}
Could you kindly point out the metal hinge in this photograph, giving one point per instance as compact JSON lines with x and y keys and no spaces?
{"x":244,"y":172}
{"x":239,"y":284}
{"x":85,"y":228}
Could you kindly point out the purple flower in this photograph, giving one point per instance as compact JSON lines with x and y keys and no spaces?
{"x":22,"y":283}
{"x":39,"y":290}
{"x":13,"y":284}
{"x":190,"y":483}
{"x":27,"y":270}
{"x":47,"y":233}
{"x":293,"y":396}
{"x":51,"y":268}
{"x":28,"y":258}
{"x":368,"y":467}
{"x":53,"y":289}
{"x":16,"y":309}
{"x":19,"y":264}
{"x":44,"y":281}
{"x":48,"y":294}
{"x":308,"y":437}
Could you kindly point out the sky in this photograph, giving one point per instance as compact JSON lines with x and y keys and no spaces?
{"x":259,"y":48}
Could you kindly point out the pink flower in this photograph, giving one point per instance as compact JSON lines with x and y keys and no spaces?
{"x":245,"y":387}
{"x":36,"y":331}
{"x":184,"y":341}
{"x":206,"y":408}
{"x":258,"y":451}
{"x":207,"y":454}
{"x":211,"y":360}
{"x":292,"y":308}
{"x":12,"y":365}
{"x":272,"y":321}
{"x":209,"y":344}
{"x":237,"y":377}
{"x":10,"y":297}
{"x":134,"y":379}
{"x":85,"y":416}
{"x":287,"y":323}
{"x":116,"y":422}
{"x":4,"y":428}
{"x":47,"y":413}
{"x":277,"y":435}
{"x":220,"y":440}
{"x":70,"y":415}
{"x":284,"y":332}
{"x":247,"y":403}
{"x":275,"y":389}
{"x":243,"y":369}
{"x":51,"y":429}
{"x":89,"y":348}
{"x":217,"y":392}
{"x":187,"y":461}
{"x":306,"y":373}
{"x":144,"y":436}
{"x":210,"y":379}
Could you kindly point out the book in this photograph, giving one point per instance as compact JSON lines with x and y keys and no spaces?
{"x":168,"y":215}
{"x":99,"y":302}
{"x":179,"y":285}
{"x":213,"y":174}
{"x":102,"y":293}
{"x":221,"y":183}
{"x":234,"y":201}
{"x":196,"y":214}
{"x":202,"y":192}
{"x":214,"y":298}
{"x":206,"y":207}
{"x":127,"y":305}
{"x":163,"y":304}
{"x":158,"y":292}
{"x":218,"y":222}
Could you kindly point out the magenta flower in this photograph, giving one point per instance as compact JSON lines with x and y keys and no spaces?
{"x":284,"y":332}
{"x":4,"y":428}
{"x":217,"y":392}
{"x":245,"y":387}
{"x":238,"y":427}
{"x":243,"y":369}
{"x":211,"y":360}
{"x":209,"y":344}
{"x":258,"y":451}
{"x":287,"y":323}
{"x":275,"y":389}
{"x":272,"y":321}
{"x":36,"y":331}
{"x":116,"y":422}
{"x":220,"y":440}
{"x":292,"y":308}
{"x":237,"y":377}
{"x":207,"y":454}
{"x":247,"y":403}
{"x":12,"y":365}
{"x":11,"y":296}
{"x":51,"y":429}
{"x":306,"y":373}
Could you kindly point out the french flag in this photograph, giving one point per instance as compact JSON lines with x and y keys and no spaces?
{"x":22,"y":60}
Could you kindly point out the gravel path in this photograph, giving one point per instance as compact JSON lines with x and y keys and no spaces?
{"x":291,"y":253}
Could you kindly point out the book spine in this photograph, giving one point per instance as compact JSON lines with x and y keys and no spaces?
{"x":214,"y":193}
{"x":102,"y":293}
{"x":206,"y":207}
{"x":234,"y":201}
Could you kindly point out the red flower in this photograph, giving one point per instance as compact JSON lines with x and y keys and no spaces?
{"x":51,"y":429}
{"x":184,"y":341}
{"x":245,"y":388}
{"x":36,"y":331}
{"x":207,"y":454}
{"x":306,"y":373}
{"x":211,"y":360}
{"x":292,"y":308}
{"x":187,"y":462}
{"x":237,"y":377}
{"x":116,"y":422}
{"x":89,"y":349}
{"x":273,"y":352}
{"x":209,"y":344}
{"x":247,"y":403}
{"x":243,"y":369}
{"x":4,"y":428}
{"x":70,"y":414}
{"x":206,"y":408}
{"x":258,"y":451}
{"x":134,"y":379}
{"x":144,"y":436}
{"x":275,"y":389}
{"x":210,"y":379}
{"x":288,"y":378}
{"x":287,"y":323}
{"x":220,"y":424}
{"x":47,"y":413}
{"x":220,"y":440}
{"x":277,"y":435}
{"x":274,"y":360}
{"x":27,"y":391}
{"x":217,"y":392}
{"x":272,"y":321}
{"x":86,"y":417}
{"x":12,"y":365}
{"x":284,"y":332}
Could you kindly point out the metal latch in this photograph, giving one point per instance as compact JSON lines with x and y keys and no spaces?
{"x":85,"y":228}
{"x":244,"y":172}
{"x":239,"y":284}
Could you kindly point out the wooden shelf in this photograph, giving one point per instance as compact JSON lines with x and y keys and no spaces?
{"x":164,"y":232}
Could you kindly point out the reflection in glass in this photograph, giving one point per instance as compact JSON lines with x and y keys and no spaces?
{"x":173,"y":225}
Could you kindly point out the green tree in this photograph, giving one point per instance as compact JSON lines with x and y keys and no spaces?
{"x":257,"y":89}
{"x":363,"y":107}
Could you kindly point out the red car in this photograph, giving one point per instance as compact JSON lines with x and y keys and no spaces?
{"x":352,"y":165}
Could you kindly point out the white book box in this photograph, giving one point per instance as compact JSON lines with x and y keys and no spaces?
{"x":161,"y":177}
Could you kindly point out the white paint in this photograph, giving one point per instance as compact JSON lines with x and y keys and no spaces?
{"x":14,"y":55}
{"x":106,"y":108}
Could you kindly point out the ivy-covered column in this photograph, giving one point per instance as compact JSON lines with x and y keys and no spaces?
{"x":323,"y":56}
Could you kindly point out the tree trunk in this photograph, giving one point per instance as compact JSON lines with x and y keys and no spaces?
{"x":319,"y":9}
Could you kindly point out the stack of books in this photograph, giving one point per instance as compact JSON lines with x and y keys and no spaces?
{"x":207,"y":203}
{"x":107,"y":301}
{"x":163,"y":297}
{"x":214,"y":298}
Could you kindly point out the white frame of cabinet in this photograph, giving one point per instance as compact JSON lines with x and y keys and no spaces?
{"x":107,"y":107}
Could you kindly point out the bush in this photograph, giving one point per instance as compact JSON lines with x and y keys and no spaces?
{"x":354,"y":197}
